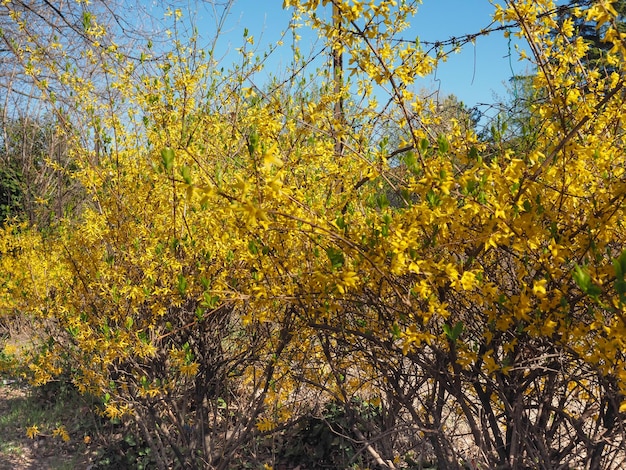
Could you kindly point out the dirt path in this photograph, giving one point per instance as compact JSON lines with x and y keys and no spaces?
{"x":19,"y":409}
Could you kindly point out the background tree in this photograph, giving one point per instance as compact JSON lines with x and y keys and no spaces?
{"x":37,"y":171}
{"x":49,"y":55}
{"x":572,"y":15}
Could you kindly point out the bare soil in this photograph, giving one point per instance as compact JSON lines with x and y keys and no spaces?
{"x":45,"y":452}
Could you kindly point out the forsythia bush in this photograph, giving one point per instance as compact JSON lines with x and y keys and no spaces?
{"x":236,"y":269}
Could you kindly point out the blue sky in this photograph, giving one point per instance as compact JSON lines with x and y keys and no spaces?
{"x":477,"y":75}
{"x":480,"y":70}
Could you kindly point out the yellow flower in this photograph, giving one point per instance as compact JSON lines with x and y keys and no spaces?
{"x":265,"y":424}
{"x":539,"y":288}
{"x":32,"y":431}
{"x":468,"y":280}
{"x":490,"y":362}
{"x":190,"y":370}
{"x":62,"y":433}
{"x":112,"y":412}
{"x":271,"y":157}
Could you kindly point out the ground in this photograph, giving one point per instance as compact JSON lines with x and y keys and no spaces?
{"x":20,"y":408}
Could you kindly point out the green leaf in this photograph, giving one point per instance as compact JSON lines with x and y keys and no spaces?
{"x":210,"y":301}
{"x":87,"y":20}
{"x":199,"y":313}
{"x":457,"y":330}
{"x":622,"y":261}
{"x":619,"y":265}
{"x":182,"y":284}
{"x":473,"y":153}
{"x":253,"y":143}
{"x":454,"y":332}
{"x":382,"y":201}
{"x":594,"y":291}
{"x":432,"y":198}
{"x":620,"y":287}
{"x":443,"y":144}
{"x":253,"y":248}
{"x":185,"y":172}
{"x":336,"y":257}
{"x":167,"y":158}
{"x":582,"y":278}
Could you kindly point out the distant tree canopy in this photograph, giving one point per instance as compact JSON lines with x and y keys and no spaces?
{"x":36,"y":171}
{"x":594,"y":35}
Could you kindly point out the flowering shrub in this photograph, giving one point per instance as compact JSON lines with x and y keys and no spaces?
{"x":236,"y":268}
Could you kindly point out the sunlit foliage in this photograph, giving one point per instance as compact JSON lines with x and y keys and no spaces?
{"x":233,"y":271}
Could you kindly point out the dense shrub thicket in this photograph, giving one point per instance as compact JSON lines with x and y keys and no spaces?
{"x":240,"y":289}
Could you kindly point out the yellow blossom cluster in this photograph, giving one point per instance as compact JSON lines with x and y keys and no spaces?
{"x":229,"y":249}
